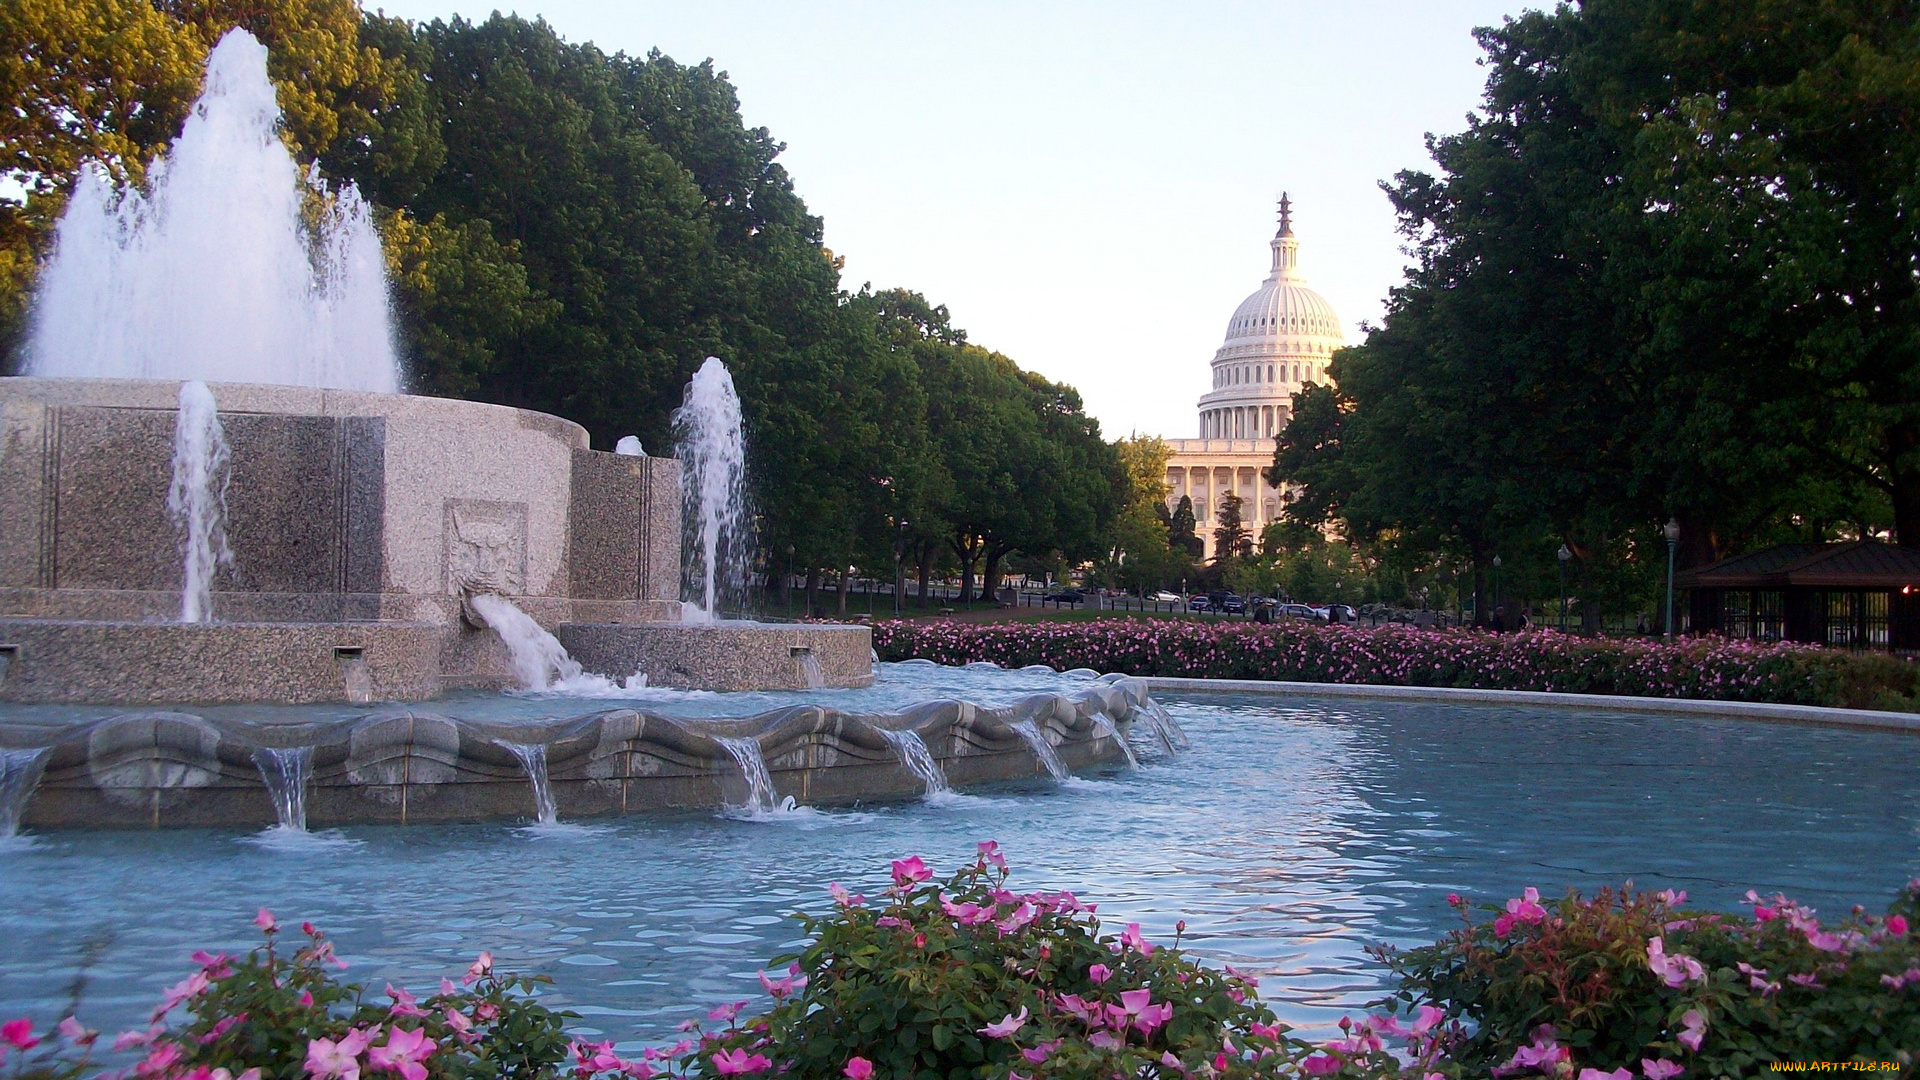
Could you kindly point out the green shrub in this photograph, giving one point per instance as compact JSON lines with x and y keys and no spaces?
{"x":1626,"y":980}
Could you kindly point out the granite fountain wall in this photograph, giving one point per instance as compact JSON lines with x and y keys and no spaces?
{"x":359,"y":524}
{"x":401,"y":766}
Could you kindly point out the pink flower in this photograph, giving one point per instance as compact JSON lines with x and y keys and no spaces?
{"x":1136,"y":1008}
{"x":990,"y":854}
{"x":1596,"y":1074}
{"x":910,"y":870}
{"x":736,"y":1061}
{"x":265,"y":921}
{"x":1676,"y":970}
{"x":19,"y":1033}
{"x":478,"y":969}
{"x":1038,"y":1055}
{"x":1106,"y":1040}
{"x":404,"y":1003}
{"x":1671,"y":898}
{"x":844,"y":898}
{"x":1089,"y":1013}
{"x":1130,"y":938}
{"x":793,"y":981}
{"x":1897,"y":925}
{"x":71,"y":1030}
{"x":1017,"y":918}
{"x":1317,"y":1065}
{"x":127,"y":1040}
{"x":1099,"y":973}
{"x":1693,"y":1029}
{"x":1660,"y":1069}
{"x":341,"y":1057}
{"x":858,"y":1068}
{"x":1544,"y":1054}
{"x":967,"y":914}
{"x":1006,"y":1026}
{"x":163,"y":1058}
{"x":1526,"y":907}
{"x":403,"y":1052}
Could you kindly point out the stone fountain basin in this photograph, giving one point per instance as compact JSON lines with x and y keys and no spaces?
{"x":359,"y":522}
{"x":400,"y":766}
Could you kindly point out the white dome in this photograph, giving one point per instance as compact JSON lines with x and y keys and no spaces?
{"x":1278,"y":341}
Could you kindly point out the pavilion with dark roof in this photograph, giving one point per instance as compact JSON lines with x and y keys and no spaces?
{"x":1861,"y":595}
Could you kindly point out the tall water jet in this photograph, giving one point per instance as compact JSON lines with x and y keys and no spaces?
{"x":745,"y":752}
{"x":19,"y":775}
{"x":918,"y":760}
{"x":1037,"y":742}
{"x":533,"y":759}
{"x":711,"y":447}
{"x":285,"y":771}
{"x":213,"y":272}
{"x":197,"y":498}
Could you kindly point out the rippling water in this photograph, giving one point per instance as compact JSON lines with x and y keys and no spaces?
{"x":1295,"y":833}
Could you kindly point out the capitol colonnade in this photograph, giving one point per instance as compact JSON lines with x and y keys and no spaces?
{"x":1278,"y":342}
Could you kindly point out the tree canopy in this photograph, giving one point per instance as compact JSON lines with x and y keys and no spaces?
{"x":1668,"y":271}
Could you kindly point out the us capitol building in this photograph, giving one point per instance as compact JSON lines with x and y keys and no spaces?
{"x":1279,"y":339}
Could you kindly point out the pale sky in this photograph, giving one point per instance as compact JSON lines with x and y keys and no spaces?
{"x":1089,"y":188}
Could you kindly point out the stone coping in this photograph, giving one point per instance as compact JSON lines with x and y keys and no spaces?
{"x":1798,"y":714}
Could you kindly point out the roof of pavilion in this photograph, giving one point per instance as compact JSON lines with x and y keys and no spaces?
{"x":1862,"y":564}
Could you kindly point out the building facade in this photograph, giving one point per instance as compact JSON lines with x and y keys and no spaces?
{"x":1279,"y":340}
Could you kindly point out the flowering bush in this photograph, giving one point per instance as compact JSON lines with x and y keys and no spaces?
{"x":271,"y":1016}
{"x":967,"y":980}
{"x":1708,"y":667}
{"x":964,"y":978}
{"x":1628,"y":984}
{"x":953,"y":979}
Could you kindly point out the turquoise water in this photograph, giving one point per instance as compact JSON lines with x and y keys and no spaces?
{"x":1292,"y":835}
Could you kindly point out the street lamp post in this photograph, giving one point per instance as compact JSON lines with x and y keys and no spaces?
{"x":1499,"y":602}
{"x":1672,"y":532}
{"x":1563,"y":554}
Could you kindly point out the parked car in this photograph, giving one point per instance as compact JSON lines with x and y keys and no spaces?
{"x":1198,"y":602}
{"x":1067,"y":596}
{"x":1299,"y":611}
{"x":1341,"y":613}
{"x":1165,"y":597}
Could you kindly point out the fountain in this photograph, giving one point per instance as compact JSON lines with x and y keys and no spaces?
{"x":709,"y":443}
{"x":19,"y":775}
{"x":169,"y":535}
{"x":1043,"y":751}
{"x":286,"y":770}
{"x":1105,"y":725}
{"x":197,"y":499}
{"x":533,"y":759}
{"x":918,"y":760}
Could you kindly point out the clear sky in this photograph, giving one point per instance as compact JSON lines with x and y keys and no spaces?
{"x":1089,"y":188}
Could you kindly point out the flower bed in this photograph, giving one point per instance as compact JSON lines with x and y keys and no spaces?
{"x":964,"y":979}
{"x":1709,"y":667}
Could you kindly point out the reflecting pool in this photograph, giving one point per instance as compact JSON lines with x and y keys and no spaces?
{"x":1294,"y":833}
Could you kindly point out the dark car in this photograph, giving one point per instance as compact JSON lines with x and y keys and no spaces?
{"x":1067,"y":596}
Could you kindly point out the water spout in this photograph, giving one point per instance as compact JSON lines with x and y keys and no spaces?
{"x":918,"y":760}
{"x":286,"y":772}
{"x":213,"y":272}
{"x":1165,"y":727}
{"x":539,"y":660}
{"x":1042,"y":749}
{"x":197,"y":498}
{"x":810,"y":672}
{"x":761,"y":799}
{"x":533,"y":758}
{"x":19,"y":775}
{"x":711,"y":446}
{"x":1105,"y":725}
